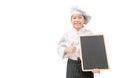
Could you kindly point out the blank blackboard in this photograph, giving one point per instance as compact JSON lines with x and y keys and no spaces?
{"x":93,"y":52}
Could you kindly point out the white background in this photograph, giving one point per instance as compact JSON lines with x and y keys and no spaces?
{"x":31,"y":29}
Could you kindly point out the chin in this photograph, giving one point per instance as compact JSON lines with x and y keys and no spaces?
{"x":77,"y":27}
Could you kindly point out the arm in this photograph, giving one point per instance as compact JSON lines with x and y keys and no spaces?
{"x":61,"y":47}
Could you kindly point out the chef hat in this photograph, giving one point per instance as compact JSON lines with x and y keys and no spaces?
{"x":79,"y":11}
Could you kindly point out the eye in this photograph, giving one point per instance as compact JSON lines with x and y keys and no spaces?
{"x":74,"y":17}
{"x":80,"y":17}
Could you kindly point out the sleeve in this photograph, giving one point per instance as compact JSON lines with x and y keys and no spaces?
{"x":61,"y":47}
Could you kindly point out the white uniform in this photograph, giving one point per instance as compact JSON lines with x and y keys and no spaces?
{"x":67,"y":39}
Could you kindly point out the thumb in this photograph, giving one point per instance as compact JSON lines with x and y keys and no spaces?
{"x":72,"y":44}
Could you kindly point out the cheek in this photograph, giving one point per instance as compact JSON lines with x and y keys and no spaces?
{"x":84,"y":20}
{"x":72,"y":22}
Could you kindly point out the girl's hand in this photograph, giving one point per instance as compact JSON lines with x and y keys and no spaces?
{"x":96,"y":70}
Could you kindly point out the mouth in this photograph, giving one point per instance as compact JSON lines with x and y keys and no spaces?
{"x":77,"y":23}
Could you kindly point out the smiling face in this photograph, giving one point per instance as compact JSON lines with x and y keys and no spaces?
{"x":77,"y":21}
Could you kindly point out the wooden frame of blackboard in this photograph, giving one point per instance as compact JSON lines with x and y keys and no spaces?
{"x":93,"y":52}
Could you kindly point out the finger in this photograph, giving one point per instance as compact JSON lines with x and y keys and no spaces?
{"x":96,"y":71}
{"x":72,"y":44}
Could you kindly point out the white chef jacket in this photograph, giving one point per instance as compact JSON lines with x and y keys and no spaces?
{"x":68,"y":38}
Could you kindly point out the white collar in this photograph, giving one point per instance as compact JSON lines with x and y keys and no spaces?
{"x":79,"y":31}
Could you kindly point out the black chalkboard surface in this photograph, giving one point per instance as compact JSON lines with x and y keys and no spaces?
{"x":93,"y":52}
